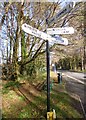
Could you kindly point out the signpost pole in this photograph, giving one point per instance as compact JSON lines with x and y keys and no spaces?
{"x":48,"y":68}
{"x":48,"y":75}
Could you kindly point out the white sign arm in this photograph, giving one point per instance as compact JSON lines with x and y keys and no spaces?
{"x":35,"y":32}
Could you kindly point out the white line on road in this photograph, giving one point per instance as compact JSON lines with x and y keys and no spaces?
{"x":75,"y":79}
{"x":82,"y":107}
{"x":77,"y":97}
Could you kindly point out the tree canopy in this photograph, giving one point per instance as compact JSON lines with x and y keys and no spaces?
{"x":21,"y":48}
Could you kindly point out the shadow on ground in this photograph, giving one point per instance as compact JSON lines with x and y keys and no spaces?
{"x":33,"y":103}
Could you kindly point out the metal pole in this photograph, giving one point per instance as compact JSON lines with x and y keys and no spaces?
{"x":48,"y":66}
{"x":48,"y":75}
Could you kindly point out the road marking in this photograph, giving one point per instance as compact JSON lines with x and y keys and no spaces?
{"x":77,"y":97}
{"x":76,"y":79}
{"x":82,"y":107}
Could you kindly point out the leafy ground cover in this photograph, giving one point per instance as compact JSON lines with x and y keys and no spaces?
{"x":23,"y":100}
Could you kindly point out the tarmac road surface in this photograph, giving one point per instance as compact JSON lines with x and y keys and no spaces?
{"x":76,"y":85}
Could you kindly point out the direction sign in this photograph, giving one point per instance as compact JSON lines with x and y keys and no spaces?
{"x":63,"y":30}
{"x":61,"y":13}
{"x":60,"y":40}
{"x":35,"y":32}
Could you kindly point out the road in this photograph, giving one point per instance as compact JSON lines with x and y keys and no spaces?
{"x":78,"y":76}
{"x":76,"y":86}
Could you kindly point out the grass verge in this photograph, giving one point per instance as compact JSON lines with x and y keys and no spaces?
{"x":18,"y":105}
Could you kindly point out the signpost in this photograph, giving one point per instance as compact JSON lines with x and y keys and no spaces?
{"x":63,"y":30}
{"x":35,"y":32}
{"x":65,"y":10}
{"x":61,"y":13}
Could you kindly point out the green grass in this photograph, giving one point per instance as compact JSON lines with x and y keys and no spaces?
{"x":25,"y":113}
{"x":11,"y":84}
{"x":8,"y":85}
{"x":5,"y":90}
{"x":36,"y":109}
{"x":59,"y":100}
{"x":61,"y":105}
